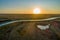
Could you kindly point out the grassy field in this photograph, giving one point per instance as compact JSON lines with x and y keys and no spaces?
{"x":27,"y":16}
{"x":28,"y":27}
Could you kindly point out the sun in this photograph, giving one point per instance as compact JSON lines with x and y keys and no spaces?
{"x":36,"y":11}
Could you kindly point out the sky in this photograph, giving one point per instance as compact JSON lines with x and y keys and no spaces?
{"x":27,"y":6}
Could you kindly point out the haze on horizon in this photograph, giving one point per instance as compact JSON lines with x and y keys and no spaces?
{"x":27,"y":6}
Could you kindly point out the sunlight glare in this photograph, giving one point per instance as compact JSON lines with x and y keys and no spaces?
{"x":36,"y":11}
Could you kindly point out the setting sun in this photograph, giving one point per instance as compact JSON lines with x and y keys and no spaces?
{"x":36,"y":11}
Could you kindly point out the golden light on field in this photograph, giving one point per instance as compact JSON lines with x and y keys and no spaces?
{"x":36,"y":11}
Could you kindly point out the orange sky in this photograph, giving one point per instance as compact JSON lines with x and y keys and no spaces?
{"x":27,"y":6}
